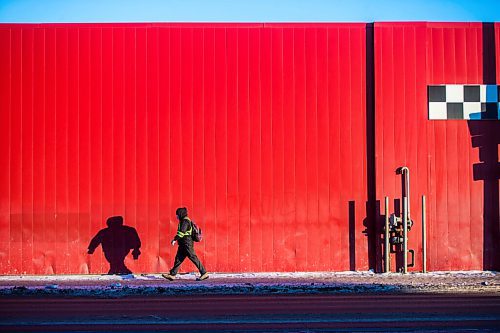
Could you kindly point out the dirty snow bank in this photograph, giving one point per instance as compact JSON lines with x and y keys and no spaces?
{"x":248,"y":283}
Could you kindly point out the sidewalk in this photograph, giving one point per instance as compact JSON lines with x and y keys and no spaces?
{"x":248,"y":283}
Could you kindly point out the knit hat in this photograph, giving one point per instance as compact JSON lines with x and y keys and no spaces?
{"x":181,"y":212}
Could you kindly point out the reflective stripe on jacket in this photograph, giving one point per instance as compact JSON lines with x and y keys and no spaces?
{"x":186,"y":232}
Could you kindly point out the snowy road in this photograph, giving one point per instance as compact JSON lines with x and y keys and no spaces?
{"x":255,"y":313}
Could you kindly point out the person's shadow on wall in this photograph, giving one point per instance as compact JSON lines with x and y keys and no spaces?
{"x":117,"y":240}
{"x":485,"y":136}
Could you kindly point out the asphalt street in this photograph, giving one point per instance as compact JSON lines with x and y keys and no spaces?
{"x":255,"y":313}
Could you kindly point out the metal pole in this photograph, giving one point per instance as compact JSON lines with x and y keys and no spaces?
{"x":424,"y":238}
{"x":405,"y":171}
{"x":386,"y":237}
{"x":405,"y":234}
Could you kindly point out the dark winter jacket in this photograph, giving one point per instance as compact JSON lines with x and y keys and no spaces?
{"x":184,"y":232}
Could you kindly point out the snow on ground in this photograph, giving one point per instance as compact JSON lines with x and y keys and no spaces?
{"x":244,"y":283}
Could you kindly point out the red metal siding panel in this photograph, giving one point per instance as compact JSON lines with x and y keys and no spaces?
{"x":61,"y":149}
{"x":209,"y":142}
{"x":233,"y":218}
{"x":439,"y":153}
{"x":26,"y":149}
{"x":339,"y":252}
{"x":477,"y":193}
{"x":96,"y":215}
{"x":5,"y":149}
{"x":152,"y":127}
{"x":451,"y":131}
{"x":49,"y":144}
{"x":396,"y":144}
{"x":221,"y":139}
{"x":277,"y":145}
{"x":358,"y":119}
{"x":141,"y":144}
{"x":345,"y":153}
{"x":422,"y":135}
{"x":198,"y":130}
{"x":243,"y":149}
{"x":323,"y":151}
{"x":411,"y":132}
{"x":266,"y":150}
{"x":76,"y":250}
{"x":301,"y":157}
{"x":16,"y":226}
{"x":107,"y":143}
{"x":84,"y":109}
{"x":255,"y":149}
{"x":164,"y":257}
{"x":289,"y":208}
{"x":38,"y":150}
{"x":175,"y":126}
{"x":311,"y":146}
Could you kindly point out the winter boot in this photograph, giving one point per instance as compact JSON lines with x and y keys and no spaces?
{"x":203,"y":277}
{"x":168,"y":277}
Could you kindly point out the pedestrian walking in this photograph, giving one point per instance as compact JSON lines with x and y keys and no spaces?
{"x":184,"y":239}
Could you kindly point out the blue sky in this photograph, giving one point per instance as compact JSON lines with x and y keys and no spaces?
{"x":248,"y":11}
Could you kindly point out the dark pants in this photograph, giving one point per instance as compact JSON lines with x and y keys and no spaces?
{"x":186,"y":251}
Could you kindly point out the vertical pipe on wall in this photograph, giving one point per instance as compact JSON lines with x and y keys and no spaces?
{"x":405,"y":235}
{"x":405,"y":174}
{"x":386,"y":237}
{"x":371,"y":180}
{"x":424,"y":239}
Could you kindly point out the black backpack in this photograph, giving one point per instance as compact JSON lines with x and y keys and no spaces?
{"x":196,"y":234}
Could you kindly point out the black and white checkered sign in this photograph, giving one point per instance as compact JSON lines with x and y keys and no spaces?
{"x":463,"y":101}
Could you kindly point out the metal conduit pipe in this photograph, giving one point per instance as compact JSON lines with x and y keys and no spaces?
{"x":424,"y":238}
{"x":386,"y":237}
{"x":405,"y":172}
{"x":405,"y":234}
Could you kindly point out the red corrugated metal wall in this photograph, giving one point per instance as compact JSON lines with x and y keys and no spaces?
{"x":447,"y":158}
{"x":258,"y":129}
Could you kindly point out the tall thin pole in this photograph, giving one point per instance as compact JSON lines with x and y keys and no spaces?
{"x":424,"y":238}
{"x":386,"y":237}
{"x":405,"y":234}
